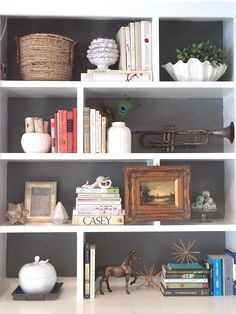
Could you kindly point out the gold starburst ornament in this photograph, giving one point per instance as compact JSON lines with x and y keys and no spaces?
{"x":147,"y":277}
{"x":184,"y":253}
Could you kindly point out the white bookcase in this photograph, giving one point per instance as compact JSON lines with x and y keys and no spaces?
{"x":89,"y":13}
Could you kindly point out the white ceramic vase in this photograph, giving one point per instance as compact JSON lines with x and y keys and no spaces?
{"x":119,"y":138}
{"x":36,"y":142}
{"x":59,"y":215}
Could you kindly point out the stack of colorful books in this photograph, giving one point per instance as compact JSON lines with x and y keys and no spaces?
{"x":98,"y":206}
{"x":184,"y":280}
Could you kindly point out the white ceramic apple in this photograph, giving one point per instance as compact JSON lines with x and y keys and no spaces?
{"x":38,"y":277}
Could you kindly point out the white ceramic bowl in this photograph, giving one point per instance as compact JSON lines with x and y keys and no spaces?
{"x":36,"y":142}
{"x":194,"y":70}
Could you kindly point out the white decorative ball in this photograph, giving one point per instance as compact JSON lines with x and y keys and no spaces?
{"x":36,"y":142}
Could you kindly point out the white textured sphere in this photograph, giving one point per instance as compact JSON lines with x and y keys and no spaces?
{"x":36,"y":142}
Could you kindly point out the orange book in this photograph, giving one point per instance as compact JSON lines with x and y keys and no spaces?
{"x":62,"y":131}
{"x":74,"y":137}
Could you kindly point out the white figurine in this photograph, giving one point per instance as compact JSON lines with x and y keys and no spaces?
{"x":101,"y":182}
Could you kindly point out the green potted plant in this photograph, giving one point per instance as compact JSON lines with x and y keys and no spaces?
{"x":198,"y":62}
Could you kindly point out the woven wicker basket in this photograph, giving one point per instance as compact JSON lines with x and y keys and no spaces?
{"x":45,"y":57}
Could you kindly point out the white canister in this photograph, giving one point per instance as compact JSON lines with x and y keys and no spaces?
{"x":38,"y":277}
{"x":119,"y":138}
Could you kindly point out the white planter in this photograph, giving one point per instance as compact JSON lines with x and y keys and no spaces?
{"x":119,"y":138}
{"x":194,"y":70}
{"x":38,"y":277}
{"x":36,"y":142}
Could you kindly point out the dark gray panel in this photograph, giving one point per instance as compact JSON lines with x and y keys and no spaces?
{"x":177,"y":34}
{"x":155,"y":248}
{"x":59,"y":248}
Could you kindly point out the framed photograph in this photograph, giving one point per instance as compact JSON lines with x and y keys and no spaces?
{"x":157,"y":193}
{"x":40,"y":200}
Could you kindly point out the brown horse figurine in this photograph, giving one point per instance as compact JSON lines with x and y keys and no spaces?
{"x":123,"y":270}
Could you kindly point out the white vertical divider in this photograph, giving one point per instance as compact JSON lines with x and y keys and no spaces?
{"x":155,"y":49}
{"x":80,"y":265}
{"x":229,"y":186}
{"x":80,"y":106}
{"x":228,"y":116}
{"x":229,"y":47}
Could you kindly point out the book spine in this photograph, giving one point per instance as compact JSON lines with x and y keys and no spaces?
{"x":86,"y":134}
{"x":217,"y":274}
{"x":74,"y":114}
{"x":92,"y":119}
{"x":69,"y":132}
{"x":98,"y":212}
{"x":57,"y":143}
{"x":97,"y":220}
{"x":87,"y":270}
{"x":98,"y":132}
{"x":98,"y":196}
{"x":233,"y":255}
{"x":104,"y":135}
{"x":132,"y":46}
{"x":120,"y":38}
{"x":98,"y":207}
{"x":92,"y":270}
{"x":137,"y":32}
{"x":53,"y":136}
{"x":128,"y":55}
{"x":63,"y":130}
{"x":209,"y":267}
{"x":185,"y":292}
{"x":185,"y":280}
{"x":97,"y":202}
{"x":192,"y":285}
{"x":97,"y":190}
{"x":227,"y":275}
{"x":146,"y":45}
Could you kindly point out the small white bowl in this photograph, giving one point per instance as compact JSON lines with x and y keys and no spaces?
{"x":36,"y":142}
{"x":194,"y":70}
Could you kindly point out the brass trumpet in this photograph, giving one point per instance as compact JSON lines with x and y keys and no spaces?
{"x":169,"y":137}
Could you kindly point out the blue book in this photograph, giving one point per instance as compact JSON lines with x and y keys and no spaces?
{"x":216,"y":262}
{"x":231,"y":252}
{"x":184,"y":266}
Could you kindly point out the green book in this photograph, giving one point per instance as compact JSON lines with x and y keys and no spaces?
{"x":178,"y":266}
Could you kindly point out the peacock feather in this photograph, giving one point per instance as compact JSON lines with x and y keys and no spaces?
{"x":123,"y":108}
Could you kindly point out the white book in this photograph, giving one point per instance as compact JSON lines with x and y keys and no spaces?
{"x":132,"y":45}
{"x":146,"y":45}
{"x":98,"y":132}
{"x":92,"y":270}
{"x":104,"y":134}
{"x":97,"y":220}
{"x":127,"y":76}
{"x":92,"y":120}
{"x":98,"y":195}
{"x":128,"y":53}
{"x":97,"y":202}
{"x":97,"y":207}
{"x":121,"y":40}
{"x":137,"y":32}
{"x":98,"y":212}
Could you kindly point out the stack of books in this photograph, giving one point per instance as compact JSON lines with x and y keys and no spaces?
{"x":98,"y":206}
{"x":95,"y":131}
{"x":185,"y":280}
{"x":64,"y":131}
{"x":135,"y":60}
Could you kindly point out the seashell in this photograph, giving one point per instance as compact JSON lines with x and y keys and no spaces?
{"x":200,"y":199}
{"x":206,"y":194}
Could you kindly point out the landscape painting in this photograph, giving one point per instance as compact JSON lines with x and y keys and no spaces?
{"x":157,"y":193}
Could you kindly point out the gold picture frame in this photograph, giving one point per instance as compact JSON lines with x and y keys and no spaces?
{"x":157,"y":193}
{"x":40,"y":200}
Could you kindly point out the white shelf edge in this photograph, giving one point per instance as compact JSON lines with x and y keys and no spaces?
{"x":68,"y":228}
{"x":26,"y":157}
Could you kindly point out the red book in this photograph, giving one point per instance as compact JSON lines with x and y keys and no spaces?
{"x":69,"y":132}
{"x":62,"y":131}
{"x":56,"y":131}
{"x":74,"y":114}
